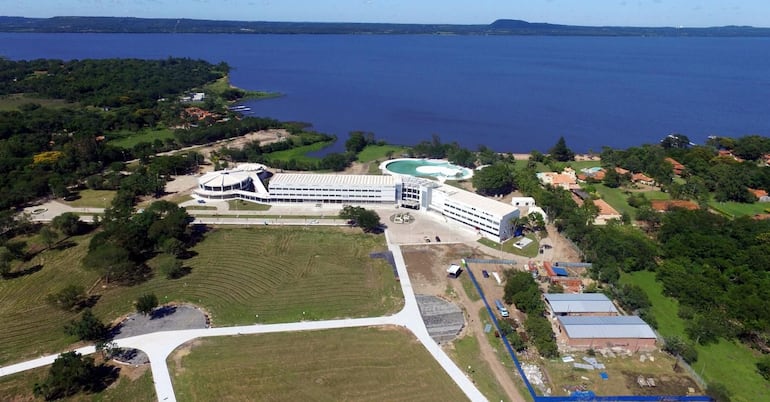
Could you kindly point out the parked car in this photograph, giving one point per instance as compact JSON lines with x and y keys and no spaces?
{"x":438,"y":239}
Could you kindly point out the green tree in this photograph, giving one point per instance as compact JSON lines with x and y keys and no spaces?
{"x":612,"y":178}
{"x":369,"y":220}
{"x":718,"y":392}
{"x":763,"y":366}
{"x":48,"y":236}
{"x":493,"y":180}
{"x":67,"y":223}
{"x":172,"y":268}
{"x":679,"y":347}
{"x":69,"y":374}
{"x":146,"y":303}
{"x":357,"y":141}
{"x":560,"y":152}
{"x":113,"y":262}
{"x":88,"y":328}
{"x":71,"y":297}
{"x":675,"y":141}
{"x":516,"y":341}
{"x":5,"y":262}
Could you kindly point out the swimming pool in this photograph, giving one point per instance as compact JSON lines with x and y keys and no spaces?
{"x":437,"y":168}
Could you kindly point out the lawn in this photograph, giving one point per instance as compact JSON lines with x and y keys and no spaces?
{"x":664,"y":309}
{"x":299,"y":153}
{"x":240,"y":205}
{"x":469,"y":289}
{"x":92,"y":199}
{"x":283,"y":274}
{"x":30,"y":326}
{"x":735,"y":209}
{"x":380,"y":152}
{"x":577,"y":165}
{"x":729,"y":363}
{"x":12,"y":102}
{"x":375,"y":364}
{"x":466,"y":353}
{"x":616,"y":198}
{"x":18,"y":387}
{"x":530,"y":250}
{"x":128,"y":139}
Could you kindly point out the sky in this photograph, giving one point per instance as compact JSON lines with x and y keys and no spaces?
{"x":690,"y":13}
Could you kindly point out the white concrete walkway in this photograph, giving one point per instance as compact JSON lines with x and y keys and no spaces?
{"x":159,"y":345}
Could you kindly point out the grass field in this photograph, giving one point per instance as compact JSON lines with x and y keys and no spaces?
{"x":278,"y":273}
{"x":12,"y":102}
{"x":127,"y":139}
{"x":380,"y":152}
{"x":367,"y":364}
{"x":729,"y":363}
{"x":299,"y":153}
{"x":736,"y":209}
{"x":664,"y":309}
{"x":18,"y":387}
{"x":30,"y":326}
{"x":530,"y":250}
{"x":92,"y":199}
{"x":240,"y":205}
{"x":616,"y":198}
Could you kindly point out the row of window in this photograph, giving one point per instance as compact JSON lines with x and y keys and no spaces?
{"x":315,"y":190}
{"x":481,"y":227}
{"x":348,"y":196}
{"x":466,"y":213}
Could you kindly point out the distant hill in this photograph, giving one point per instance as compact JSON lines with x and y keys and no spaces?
{"x":499,"y":27}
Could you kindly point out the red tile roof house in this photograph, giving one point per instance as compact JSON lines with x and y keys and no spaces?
{"x":666,"y":205}
{"x":760,"y":194}
{"x":606,"y":213}
{"x":643,"y":179}
{"x":677,"y":167}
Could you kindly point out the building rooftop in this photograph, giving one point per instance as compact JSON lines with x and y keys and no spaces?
{"x":665,"y":205}
{"x":580,"y":303}
{"x":582,"y":327}
{"x":308,"y":179}
{"x":221,"y":178}
{"x":477,"y":201}
{"x":605,"y":209}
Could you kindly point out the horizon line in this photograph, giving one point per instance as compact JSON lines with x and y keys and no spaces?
{"x":394,"y":23}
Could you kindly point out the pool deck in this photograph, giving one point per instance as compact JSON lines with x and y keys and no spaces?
{"x":431,"y":168}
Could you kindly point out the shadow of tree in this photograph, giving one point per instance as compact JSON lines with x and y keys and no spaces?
{"x":162,"y":312}
{"x":24,"y":272}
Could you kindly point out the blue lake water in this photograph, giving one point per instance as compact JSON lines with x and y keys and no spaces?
{"x":509,"y":93}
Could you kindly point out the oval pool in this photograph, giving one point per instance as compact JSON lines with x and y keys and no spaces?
{"x":437,"y":168}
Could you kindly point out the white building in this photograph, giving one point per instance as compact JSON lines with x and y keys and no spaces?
{"x":330,"y":188}
{"x":487,"y":217}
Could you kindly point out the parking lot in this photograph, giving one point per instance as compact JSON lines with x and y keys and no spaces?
{"x":424,"y":227}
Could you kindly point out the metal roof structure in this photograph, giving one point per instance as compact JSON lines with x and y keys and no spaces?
{"x":223,"y":178}
{"x":587,"y":327}
{"x":323,"y":180}
{"x":580,"y":303}
{"x":474,"y":200}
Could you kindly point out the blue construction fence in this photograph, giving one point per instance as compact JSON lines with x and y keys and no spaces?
{"x":501,"y":262}
{"x":576,"y":397}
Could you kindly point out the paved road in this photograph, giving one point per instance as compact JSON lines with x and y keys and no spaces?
{"x":159,"y":345}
